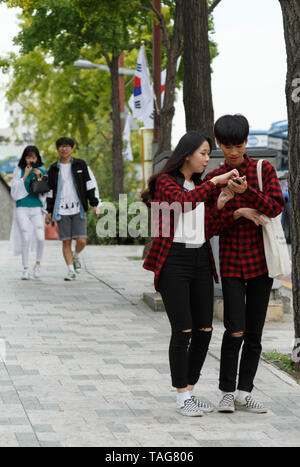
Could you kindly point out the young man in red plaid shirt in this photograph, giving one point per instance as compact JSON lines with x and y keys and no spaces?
{"x":245,"y":282}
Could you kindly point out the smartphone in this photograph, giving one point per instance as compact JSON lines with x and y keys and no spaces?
{"x":235,"y":180}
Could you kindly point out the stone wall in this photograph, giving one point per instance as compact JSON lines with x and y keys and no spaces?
{"x":6,"y":210}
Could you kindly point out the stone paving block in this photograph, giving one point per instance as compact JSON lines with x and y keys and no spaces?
{"x":87,"y":388}
{"x":92,"y":365}
{"x":111,"y":377}
{"x":50,"y":444}
{"x":15,"y":370}
{"x":43,"y":428}
{"x":9,"y":397}
{"x":5,"y":421}
{"x":181,"y":436}
{"x":146,"y":394}
{"x":166,"y":420}
{"x":5,"y":383}
{"x":31,"y":403}
{"x":24,"y":388}
{"x":31,"y":372}
{"x":239,"y":444}
{"x":117,"y":428}
{"x":210,"y":444}
{"x":27,"y":440}
{"x":18,"y":421}
{"x":109,"y":413}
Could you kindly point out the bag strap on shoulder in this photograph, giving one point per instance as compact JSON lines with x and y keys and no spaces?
{"x":259,"y":174}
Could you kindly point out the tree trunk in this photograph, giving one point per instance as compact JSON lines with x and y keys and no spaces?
{"x":117,"y":143}
{"x":197,"y":94}
{"x":174,"y":51}
{"x":291,"y":21}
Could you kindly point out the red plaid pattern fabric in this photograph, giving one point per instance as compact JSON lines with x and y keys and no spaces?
{"x":167,"y":191}
{"x":241,"y":242}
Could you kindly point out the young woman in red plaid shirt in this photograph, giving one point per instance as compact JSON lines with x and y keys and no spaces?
{"x":181,"y":258}
{"x":245,"y":281}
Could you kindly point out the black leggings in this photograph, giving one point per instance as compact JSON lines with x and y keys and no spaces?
{"x":186,"y":287}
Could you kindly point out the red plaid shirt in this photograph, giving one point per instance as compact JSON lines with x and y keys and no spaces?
{"x":167,"y":190}
{"x":241,"y":243}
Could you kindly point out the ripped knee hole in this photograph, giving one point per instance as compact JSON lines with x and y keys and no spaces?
{"x":237,"y":334}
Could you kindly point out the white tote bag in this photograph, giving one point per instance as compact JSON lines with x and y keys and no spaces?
{"x":276,"y":249}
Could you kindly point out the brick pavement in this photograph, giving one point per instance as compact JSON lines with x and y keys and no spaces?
{"x":86,"y":364}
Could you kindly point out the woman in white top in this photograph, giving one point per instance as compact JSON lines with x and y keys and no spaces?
{"x":28,"y":229}
{"x":183,"y":263}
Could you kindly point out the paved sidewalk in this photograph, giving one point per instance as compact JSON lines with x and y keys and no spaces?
{"x":86,"y":364}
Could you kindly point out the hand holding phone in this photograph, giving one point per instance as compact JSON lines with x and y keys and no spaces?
{"x":236,"y":180}
{"x":238,"y":185}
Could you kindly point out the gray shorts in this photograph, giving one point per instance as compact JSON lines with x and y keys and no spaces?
{"x":71,"y":227}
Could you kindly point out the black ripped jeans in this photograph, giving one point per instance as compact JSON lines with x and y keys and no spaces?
{"x":186,"y":287}
{"x":245,"y":309}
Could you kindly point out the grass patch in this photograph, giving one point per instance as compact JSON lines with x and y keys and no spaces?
{"x":283,"y":362}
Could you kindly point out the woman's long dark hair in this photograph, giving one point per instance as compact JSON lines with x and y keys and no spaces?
{"x":187,"y":145}
{"x":28,"y":150}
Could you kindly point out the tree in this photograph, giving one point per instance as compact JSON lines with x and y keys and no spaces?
{"x":72,"y":102}
{"x":173,"y":48}
{"x":173,"y":39}
{"x":291,"y":22}
{"x":67,"y":27}
{"x":197,"y":93}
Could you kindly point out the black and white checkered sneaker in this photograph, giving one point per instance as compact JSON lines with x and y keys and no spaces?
{"x":190,"y":409}
{"x":227,"y":404}
{"x":250,"y":405}
{"x":204,"y":406}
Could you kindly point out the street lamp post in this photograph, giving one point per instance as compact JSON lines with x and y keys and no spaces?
{"x":86,"y":64}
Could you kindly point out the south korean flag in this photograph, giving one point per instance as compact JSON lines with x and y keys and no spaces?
{"x":141,"y":101}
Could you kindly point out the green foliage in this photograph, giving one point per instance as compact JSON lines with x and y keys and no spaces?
{"x":284,"y":361}
{"x":59,"y":99}
{"x":94,"y":239}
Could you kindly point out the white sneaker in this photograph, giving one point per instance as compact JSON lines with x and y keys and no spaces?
{"x":204,"y":406}
{"x":226,"y":404}
{"x":71,"y":276}
{"x":25,"y":275}
{"x":190,"y":409}
{"x":37,"y":272}
{"x":77,"y":265}
{"x":250,"y":405}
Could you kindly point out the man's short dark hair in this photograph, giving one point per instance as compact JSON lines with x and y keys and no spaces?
{"x":232,"y":129}
{"x":65,"y":142}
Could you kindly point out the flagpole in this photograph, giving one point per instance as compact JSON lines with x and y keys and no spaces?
{"x":156,"y":76}
{"x":122,"y":91}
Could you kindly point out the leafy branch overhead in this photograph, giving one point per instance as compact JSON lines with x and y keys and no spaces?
{"x":60,"y":99}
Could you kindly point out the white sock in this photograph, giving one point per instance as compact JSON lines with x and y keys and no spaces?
{"x":241,"y":395}
{"x":71,"y":268}
{"x":181,"y":397}
{"x":224,"y":393}
{"x":75,"y":255}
